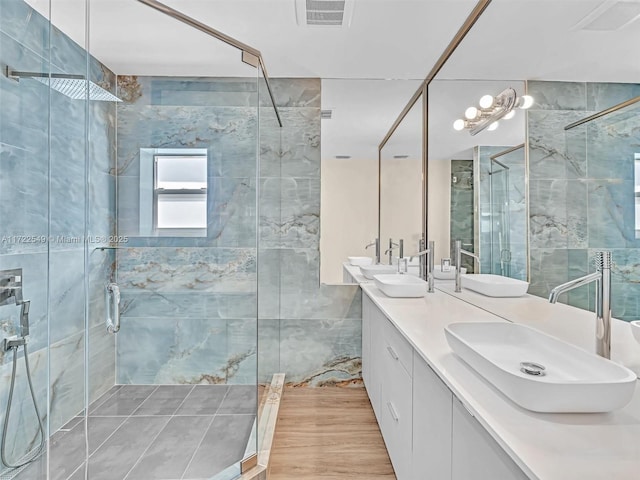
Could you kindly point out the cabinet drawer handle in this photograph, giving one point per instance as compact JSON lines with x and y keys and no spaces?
{"x":392,"y":410}
{"x":393,"y":353}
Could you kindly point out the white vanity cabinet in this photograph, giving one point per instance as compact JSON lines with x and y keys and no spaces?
{"x":475,"y":454}
{"x":432,"y":404}
{"x":428,"y":433}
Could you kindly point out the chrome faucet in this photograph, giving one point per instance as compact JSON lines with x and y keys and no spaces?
{"x":11,"y":292}
{"x":375,"y":243}
{"x":602,"y":277}
{"x":392,"y":247}
{"x":459,"y":252}
{"x":426,"y":268}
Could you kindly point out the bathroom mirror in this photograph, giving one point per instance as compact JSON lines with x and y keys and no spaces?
{"x":477,"y":183}
{"x":401,"y":186}
{"x":357,"y":113}
{"x":580,"y":135}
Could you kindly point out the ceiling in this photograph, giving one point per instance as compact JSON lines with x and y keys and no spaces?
{"x":514,"y":40}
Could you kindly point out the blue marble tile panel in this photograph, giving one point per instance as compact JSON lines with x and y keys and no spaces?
{"x":601,"y":96}
{"x":321,"y":352}
{"x":558,"y":213}
{"x":300,"y":142}
{"x":66,"y":379}
{"x":173,"y":351}
{"x":612,"y":143}
{"x":553,"y":152}
{"x":558,"y":95}
{"x":188,"y":269}
{"x":66,"y":300}
{"x":268,"y":349}
{"x":294,"y":92}
{"x":25,"y":26}
{"x":612,"y":214}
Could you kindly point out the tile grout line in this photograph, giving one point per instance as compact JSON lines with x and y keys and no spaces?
{"x":186,"y":469}
{"x":183,"y":400}
{"x":142,"y":403}
{"x":161,"y":430}
{"x":204,"y":434}
{"x":126,"y":417}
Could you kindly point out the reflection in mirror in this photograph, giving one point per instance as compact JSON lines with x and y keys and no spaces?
{"x":469,"y":199}
{"x":581,"y":136}
{"x":357,"y":114}
{"x":401,"y":187}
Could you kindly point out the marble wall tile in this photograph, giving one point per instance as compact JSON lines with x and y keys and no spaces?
{"x":612,"y":214}
{"x":24,"y":26}
{"x":290,"y":212}
{"x":607,"y":146}
{"x":321,"y":352}
{"x":300,"y":142}
{"x":102,"y":361}
{"x":66,"y":379}
{"x":190,"y":91}
{"x":269,"y":265}
{"x":67,"y":297}
{"x":558,"y":95}
{"x":188,"y":269}
{"x":268,"y":349}
{"x":231,"y":220}
{"x":553,"y":152}
{"x":101,"y":270}
{"x":173,"y":350}
{"x":601,"y":96}
{"x":612,"y":143}
{"x":558,"y":213}
{"x":294,"y":92}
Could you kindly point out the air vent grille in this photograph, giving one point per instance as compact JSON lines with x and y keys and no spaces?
{"x":324,"y":13}
{"x":326,"y":114}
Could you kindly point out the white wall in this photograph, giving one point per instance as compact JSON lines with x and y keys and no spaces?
{"x":348,"y":213}
{"x":439,"y":199}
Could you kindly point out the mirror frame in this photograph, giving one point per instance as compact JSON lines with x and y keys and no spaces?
{"x":423,"y":93}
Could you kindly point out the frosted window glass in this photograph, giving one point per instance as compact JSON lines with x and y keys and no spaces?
{"x":182,"y":211}
{"x":181,"y":172}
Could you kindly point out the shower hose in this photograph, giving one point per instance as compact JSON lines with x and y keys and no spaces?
{"x":38,"y":451}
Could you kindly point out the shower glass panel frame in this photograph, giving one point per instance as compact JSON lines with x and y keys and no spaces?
{"x":500,"y":219}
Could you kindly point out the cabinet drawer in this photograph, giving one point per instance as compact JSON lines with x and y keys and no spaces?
{"x":396,"y":347}
{"x":397,"y":419}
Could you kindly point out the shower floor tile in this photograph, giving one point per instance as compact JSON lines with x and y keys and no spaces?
{"x":140,"y":432}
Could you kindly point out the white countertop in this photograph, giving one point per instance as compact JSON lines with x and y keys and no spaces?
{"x":546,"y":446}
{"x":356,"y":273}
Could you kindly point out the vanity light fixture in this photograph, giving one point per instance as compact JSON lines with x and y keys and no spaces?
{"x":492,"y":109}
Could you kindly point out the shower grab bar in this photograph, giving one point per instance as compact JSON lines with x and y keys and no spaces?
{"x":112,"y":294}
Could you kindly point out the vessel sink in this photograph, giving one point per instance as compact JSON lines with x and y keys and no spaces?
{"x":370,"y":270}
{"x":438,"y":274}
{"x":635,"y":328}
{"x":400,"y":285}
{"x":540,"y":372}
{"x":358,"y":261}
{"x":495,"y":285}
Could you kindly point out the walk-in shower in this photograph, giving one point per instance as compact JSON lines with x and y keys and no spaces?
{"x":140,"y":341}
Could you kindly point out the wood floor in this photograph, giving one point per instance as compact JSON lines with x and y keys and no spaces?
{"x":328,"y":433}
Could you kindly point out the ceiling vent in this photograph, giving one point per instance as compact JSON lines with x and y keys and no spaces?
{"x":610,"y":16}
{"x":324,"y":13}
{"x":326,"y":114}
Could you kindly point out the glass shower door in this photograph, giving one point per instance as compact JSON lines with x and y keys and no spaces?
{"x":500,"y":219}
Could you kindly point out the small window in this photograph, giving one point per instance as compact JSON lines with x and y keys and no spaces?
{"x":180,"y":192}
{"x":173,"y":192}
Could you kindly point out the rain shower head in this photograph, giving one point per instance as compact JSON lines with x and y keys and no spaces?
{"x":73,"y":86}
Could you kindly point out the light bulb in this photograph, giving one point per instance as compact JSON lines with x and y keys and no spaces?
{"x":486,"y":101}
{"x":471,"y":113}
{"x":492,"y":127}
{"x":458,"y":124}
{"x":526,"y":101}
{"x":510,"y":115}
